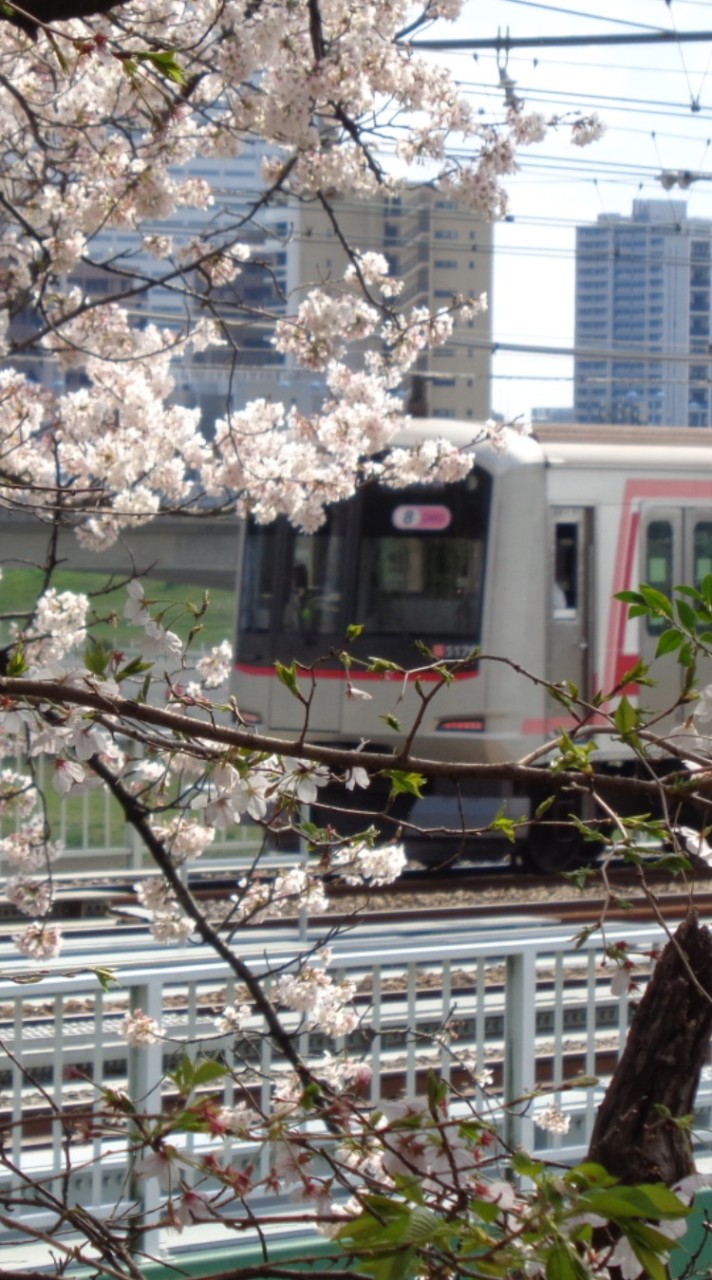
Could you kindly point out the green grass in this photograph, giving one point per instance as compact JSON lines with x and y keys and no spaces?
{"x":19,"y":588}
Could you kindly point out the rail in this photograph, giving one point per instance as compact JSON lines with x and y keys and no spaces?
{"x":534,"y":1010}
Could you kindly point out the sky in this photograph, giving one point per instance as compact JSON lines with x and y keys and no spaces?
{"x":644,"y":94}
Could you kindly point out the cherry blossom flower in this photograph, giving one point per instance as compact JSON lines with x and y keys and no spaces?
{"x":40,"y":941}
{"x":67,"y":775}
{"x":301,"y":780}
{"x":215,"y":667}
{"x":587,"y":130}
{"x":233,"y":1018}
{"x":139,"y":1030}
{"x":160,"y":1163}
{"x":362,"y":863}
{"x":622,"y":980}
{"x":552,"y":1120}
{"x":31,"y":897}
{"x":169,"y":927}
{"x":191,"y":1207}
{"x":354,"y":694}
{"x":356,"y":777}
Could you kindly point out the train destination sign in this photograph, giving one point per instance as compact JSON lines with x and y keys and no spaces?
{"x":425,"y":517}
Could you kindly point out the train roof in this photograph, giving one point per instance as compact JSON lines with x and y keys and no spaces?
{"x":572,"y":444}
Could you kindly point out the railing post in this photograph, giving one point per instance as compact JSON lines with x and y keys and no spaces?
{"x":519,"y":1046}
{"x":145,"y":1080}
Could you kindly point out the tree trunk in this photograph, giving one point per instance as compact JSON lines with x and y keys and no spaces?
{"x":666,"y":1049}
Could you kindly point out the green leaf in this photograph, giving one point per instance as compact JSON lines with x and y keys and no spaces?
{"x":105,"y":977}
{"x":423,"y":1225}
{"x":97,"y":655}
{"x":382,"y":665}
{"x":310,"y":1095}
{"x":686,"y":658}
{"x":653,"y":1266}
{"x":392,"y":721}
{"x":626,"y":717}
{"x":589,"y":1173}
{"x":669,"y":641}
{"x":207,"y":1070}
{"x":560,"y":1263}
{"x":403,"y":783}
{"x":133,"y":668}
{"x":629,"y":597}
{"x":686,"y":614}
{"x":506,"y":826}
{"x":486,"y":1210}
{"x":288,"y":677}
{"x":645,"y":1201}
{"x":165,"y":62}
{"x":526,"y":1166}
{"x":656,"y":601}
{"x":438,"y":1090}
{"x":545,"y":806}
{"x":188,"y":1075}
{"x":353,"y":631}
{"x":17,"y":663}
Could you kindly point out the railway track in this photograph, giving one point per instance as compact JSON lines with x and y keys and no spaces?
{"x":463,"y":895}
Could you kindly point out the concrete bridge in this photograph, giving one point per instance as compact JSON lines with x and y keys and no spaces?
{"x":201,"y":549}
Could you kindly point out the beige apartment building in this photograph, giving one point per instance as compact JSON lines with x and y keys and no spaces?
{"x":439,"y":250}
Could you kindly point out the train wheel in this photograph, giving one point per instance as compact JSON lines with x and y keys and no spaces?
{"x":555,"y":844}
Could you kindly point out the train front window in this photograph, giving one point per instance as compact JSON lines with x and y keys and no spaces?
{"x":311,"y":602}
{"x":292,"y":588}
{"x":421,"y":564}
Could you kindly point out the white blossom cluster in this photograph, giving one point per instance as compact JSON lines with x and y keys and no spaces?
{"x":363,"y":864}
{"x":325,"y":1004}
{"x":116,"y":135}
{"x":287,"y":894}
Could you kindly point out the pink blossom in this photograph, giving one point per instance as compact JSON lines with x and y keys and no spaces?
{"x":40,"y":941}
{"x":139,"y":1030}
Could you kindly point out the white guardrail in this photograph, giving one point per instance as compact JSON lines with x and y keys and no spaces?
{"x":89,"y":826}
{"x":506,"y":999}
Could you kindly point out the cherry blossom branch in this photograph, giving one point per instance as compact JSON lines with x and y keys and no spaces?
{"x":135,"y":815}
{"x":39,"y":692}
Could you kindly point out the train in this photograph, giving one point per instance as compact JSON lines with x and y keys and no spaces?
{"x":522,"y":560}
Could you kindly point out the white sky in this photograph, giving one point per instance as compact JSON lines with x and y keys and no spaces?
{"x":643,"y":93}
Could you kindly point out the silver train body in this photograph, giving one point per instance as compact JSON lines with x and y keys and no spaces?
{"x":523,"y":561}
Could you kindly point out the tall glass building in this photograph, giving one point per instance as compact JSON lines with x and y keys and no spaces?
{"x":643,"y":313}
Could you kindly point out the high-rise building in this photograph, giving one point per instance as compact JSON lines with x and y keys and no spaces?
{"x":643,"y":290}
{"x":436,"y":247}
{"x":439,"y":250}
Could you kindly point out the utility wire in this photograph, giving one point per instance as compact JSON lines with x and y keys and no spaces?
{"x":503,"y":44}
{"x":576,"y":13}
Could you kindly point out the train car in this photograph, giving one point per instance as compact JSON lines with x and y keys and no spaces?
{"x":521,"y":560}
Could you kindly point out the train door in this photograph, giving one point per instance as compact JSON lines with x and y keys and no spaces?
{"x":676,"y":547}
{"x":570,"y":595}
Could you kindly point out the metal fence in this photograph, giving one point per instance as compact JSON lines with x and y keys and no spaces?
{"x":90,"y":827}
{"x":533,"y":1009}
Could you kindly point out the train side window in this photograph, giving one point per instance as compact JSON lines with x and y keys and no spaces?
{"x":658,"y":564}
{"x":702,"y":551}
{"x":566,"y":560}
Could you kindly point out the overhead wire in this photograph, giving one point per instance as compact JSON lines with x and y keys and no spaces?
{"x":576,"y":13}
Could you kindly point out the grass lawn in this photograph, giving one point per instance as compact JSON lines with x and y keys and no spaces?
{"x":19,"y":587}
